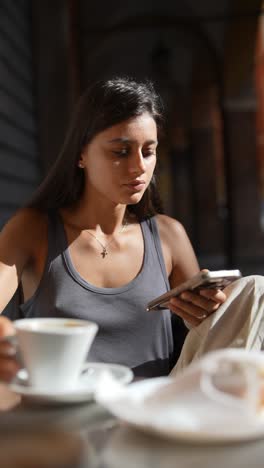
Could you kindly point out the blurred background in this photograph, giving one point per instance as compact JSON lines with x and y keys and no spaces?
{"x":206,"y":59}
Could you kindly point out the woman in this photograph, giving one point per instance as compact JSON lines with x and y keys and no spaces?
{"x":93,"y":243}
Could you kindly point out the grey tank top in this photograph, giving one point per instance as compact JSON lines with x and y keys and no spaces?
{"x":127,"y":334}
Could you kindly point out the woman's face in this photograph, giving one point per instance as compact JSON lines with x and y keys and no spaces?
{"x":119,"y":162}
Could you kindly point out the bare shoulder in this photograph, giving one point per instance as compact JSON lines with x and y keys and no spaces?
{"x":170,"y":229}
{"x":26,"y":218}
{"x":177,"y":249}
{"x":26,"y":226}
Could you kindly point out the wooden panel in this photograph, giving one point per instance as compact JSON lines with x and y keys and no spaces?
{"x":55,"y":87}
{"x":19,"y":163}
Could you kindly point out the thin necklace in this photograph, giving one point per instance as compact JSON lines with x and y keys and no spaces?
{"x":104,"y":246}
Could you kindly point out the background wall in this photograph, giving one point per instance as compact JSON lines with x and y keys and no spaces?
{"x":19,"y":156}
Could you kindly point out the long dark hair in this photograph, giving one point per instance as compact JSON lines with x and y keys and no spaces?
{"x":103,"y":105}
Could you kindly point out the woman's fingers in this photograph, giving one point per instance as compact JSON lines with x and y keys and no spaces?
{"x":7,"y":349}
{"x":8,"y":364}
{"x":6,"y":327}
{"x":190,"y":302}
{"x":194,"y":307}
{"x":193,"y":320}
{"x":216,"y":295}
{"x":8,"y":369}
{"x":194,"y":310}
{"x":188,"y":312}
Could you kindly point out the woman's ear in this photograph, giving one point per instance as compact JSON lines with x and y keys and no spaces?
{"x":80,"y":164}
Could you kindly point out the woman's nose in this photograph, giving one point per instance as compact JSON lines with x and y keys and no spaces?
{"x":137,"y":163}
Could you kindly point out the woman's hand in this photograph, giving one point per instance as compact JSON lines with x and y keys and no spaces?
{"x":195,"y":307}
{"x":8,"y":364}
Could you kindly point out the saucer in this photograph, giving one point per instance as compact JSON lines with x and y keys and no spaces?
{"x":187,"y":408}
{"x":176,"y":422}
{"x":83,"y":391}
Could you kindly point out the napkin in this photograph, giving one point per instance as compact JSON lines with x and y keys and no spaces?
{"x":219,"y":393}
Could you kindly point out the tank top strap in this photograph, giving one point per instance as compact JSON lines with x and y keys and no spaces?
{"x":57,"y":242}
{"x":152,"y":229}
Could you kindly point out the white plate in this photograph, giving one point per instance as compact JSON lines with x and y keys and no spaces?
{"x":183,"y":429}
{"x":84,"y":390}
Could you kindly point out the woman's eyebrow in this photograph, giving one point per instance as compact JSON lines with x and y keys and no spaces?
{"x":127,"y":140}
{"x":120,"y":140}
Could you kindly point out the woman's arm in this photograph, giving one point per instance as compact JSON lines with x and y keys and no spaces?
{"x":182,"y":264}
{"x":20,"y":239}
{"x":17,"y":241}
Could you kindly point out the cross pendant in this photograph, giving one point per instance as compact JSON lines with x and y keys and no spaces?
{"x":104,"y":252}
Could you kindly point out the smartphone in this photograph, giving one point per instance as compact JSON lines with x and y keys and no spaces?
{"x":203,"y":280}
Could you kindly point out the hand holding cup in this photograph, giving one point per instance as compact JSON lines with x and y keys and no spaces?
{"x":54,"y":350}
{"x":9,"y":365}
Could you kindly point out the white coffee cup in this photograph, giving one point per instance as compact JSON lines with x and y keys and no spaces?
{"x":54,"y":350}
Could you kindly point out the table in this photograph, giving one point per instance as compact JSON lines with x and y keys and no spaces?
{"x":86,"y":435}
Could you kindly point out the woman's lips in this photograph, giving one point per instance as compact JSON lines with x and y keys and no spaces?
{"x":136,"y":186}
